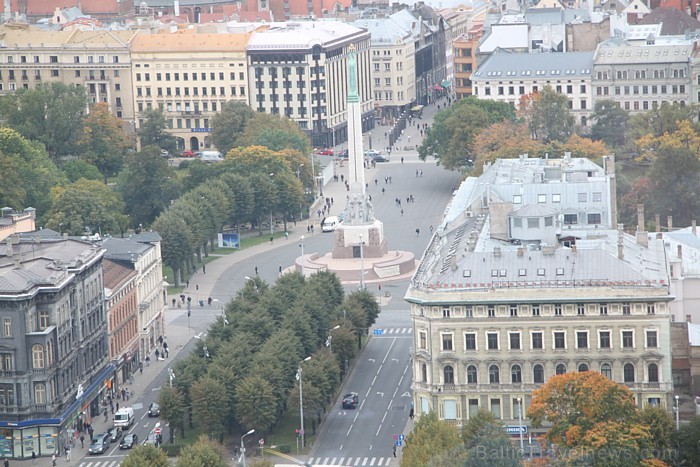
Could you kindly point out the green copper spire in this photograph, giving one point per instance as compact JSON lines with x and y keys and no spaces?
{"x":353,"y":95}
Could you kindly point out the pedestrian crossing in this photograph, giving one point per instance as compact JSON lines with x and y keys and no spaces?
{"x":100,"y":463}
{"x":394,"y":331}
{"x":351,"y":461}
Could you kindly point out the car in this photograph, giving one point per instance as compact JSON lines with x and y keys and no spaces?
{"x":153,"y":439}
{"x":187,"y":153}
{"x":165,"y":153}
{"x":325,"y":152}
{"x":129,"y":441}
{"x":115,"y":434}
{"x":372,"y":153}
{"x":344,"y":154}
{"x":154,"y":410}
{"x":99,"y":444}
{"x":380,"y":158}
{"x":350,"y":400}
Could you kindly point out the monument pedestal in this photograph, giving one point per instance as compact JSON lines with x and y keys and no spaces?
{"x":349,"y":237}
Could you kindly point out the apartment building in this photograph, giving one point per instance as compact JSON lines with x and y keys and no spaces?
{"x":299,"y":69}
{"x":506,"y":77}
{"x":97,"y":60}
{"x":641,"y":76}
{"x":525,"y":279}
{"x":53,"y":341}
{"x":393,"y":65}
{"x":189,"y":75}
{"x":465,"y":47}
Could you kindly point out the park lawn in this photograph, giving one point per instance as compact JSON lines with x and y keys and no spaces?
{"x":285,"y":433}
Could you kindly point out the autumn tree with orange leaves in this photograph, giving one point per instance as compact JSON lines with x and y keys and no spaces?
{"x":594,"y":421}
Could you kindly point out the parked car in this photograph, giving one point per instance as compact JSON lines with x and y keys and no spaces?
{"x":325,"y":152}
{"x":153,"y":439}
{"x":165,"y":153}
{"x":350,"y":400}
{"x":187,"y":153}
{"x":344,"y":154}
{"x":99,"y":444}
{"x":380,"y":158}
{"x":372,"y":153}
{"x":115,"y":434}
{"x":154,"y":410}
{"x":129,"y":441}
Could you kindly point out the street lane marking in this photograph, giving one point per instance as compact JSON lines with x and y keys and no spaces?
{"x":333,"y":461}
{"x":377,"y":434}
{"x":364,"y":462}
{"x":342,"y":459}
{"x":372,"y":461}
{"x":388,"y":351}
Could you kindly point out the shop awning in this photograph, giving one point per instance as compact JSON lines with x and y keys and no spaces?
{"x":446,"y":83}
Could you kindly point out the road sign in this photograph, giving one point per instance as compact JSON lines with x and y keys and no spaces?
{"x":516,"y":429}
{"x":261,"y":442}
{"x":378,"y":332}
{"x":396,"y":437}
{"x":398,"y":443}
{"x":402,"y":437}
{"x":301,"y":432}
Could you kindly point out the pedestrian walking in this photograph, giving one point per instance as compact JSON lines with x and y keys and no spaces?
{"x":394,"y":450}
{"x":33,"y":458}
{"x":68,"y":453}
{"x":7,"y":462}
{"x":431,"y":229}
{"x":416,"y":173}
{"x":280,"y":269}
{"x":204,"y":269}
{"x":417,"y":232}
{"x":383,"y":190}
{"x":157,"y":354}
{"x":409,"y":140}
{"x":82,"y":441}
{"x":141,"y":365}
{"x":256,"y":270}
{"x":402,"y":213}
{"x":187,"y":283}
{"x":53,"y":460}
{"x":375,"y":182}
{"x":148,"y":360}
{"x":411,"y":414}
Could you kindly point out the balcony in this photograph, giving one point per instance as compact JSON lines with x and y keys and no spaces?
{"x":190,"y":112}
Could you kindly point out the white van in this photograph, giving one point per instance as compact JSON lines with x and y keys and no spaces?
{"x":330,"y":223}
{"x":124,"y":417}
{"x":211,"y":156}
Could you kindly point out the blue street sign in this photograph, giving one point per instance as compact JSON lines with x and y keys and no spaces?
{"x":516,"y":429}
{"x":398,"y":443}
{"x":402,"y":437}
{"x":378,"y":332}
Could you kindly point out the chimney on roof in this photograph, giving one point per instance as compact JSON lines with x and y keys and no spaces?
{"x":573,"y":248}
{"x":497,"y":251}
{"x":521,"y":251}
{"x":657,"y":221}
{"x":694,"y":227}
{"x":642,"y":238}
{"x":679,"y":251}
{"x":9,"y":247}
{"x":669,"y":221}
{"x":620,"y":245}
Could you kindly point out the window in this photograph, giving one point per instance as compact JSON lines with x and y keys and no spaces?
{"x":494,"y":374}
{"x":627,"y":339}
{"x":470,"y":341}
{"x":43,"y":320}
{"x":582,"y":339}
{"x":446,"y":312}
{"x":537,"y":340}
{"x":580,"y":309}
{"x":653,"y":373}
{"x":491,"y":311}
{"x":582,"y":367}
{"x":606,"y":370}
{"x":424,"y":373}
{"x":447,"y":342}
{"x":423,"y":340}
{"x":517,"y":199}
{"x":7,"y":327}
{"x":560,"y":340}
{"x":449,"y":374}
{"x":560,"y":369}
{"x":594,"y":219}
{"x":516,"y":374}
{"x":652,"y":341}
{"x":626,"y":308}
{"x":538,"y":374}
{"x":492,"y":340}
{"x":604,"y":339}
{"x":628,"y":373}
{"x":514,"y":340}
{"x":472,"y":375}
{"x":535,"y":310}
{"x":570,"y":219}
{"x":514,"y":310}
{"x":473,"y":407}
{"x":556,"y":198}
{"x":582,"y":197}
{"x":651,"y":309}
{"x":37,"y":357}
{"x":557,"y":309}
{"x":40,"y":393}
{"x":603,"y":308}
{"x":496,"y":408}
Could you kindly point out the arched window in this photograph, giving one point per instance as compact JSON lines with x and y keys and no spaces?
{"x":653,"y":373}
{"x":516,"y":374}
{"x":628,"y":373}
{"x":582,"y":367}
{"x":560,"y":369}
{"x":449,"y":375}
{"x":472,"y":375}
{"x":606,"y":370}
{"x":424,"y":373}
{"x":38,"y":356}
{"x":40,"y":393}
{"x":538,"y":372}
{"x":494,"y":374}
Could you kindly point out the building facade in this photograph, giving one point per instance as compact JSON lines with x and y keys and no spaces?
{"x":12,"y":222}
{"x":465,"y":63}
{"x":98,"y":60}
{"x":542,"y":286}
{"x":299,"y":70}
{"x":189,"y":75}
{"x":53,"y":343}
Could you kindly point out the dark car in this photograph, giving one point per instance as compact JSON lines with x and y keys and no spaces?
{"x":154,"y":410}
{"x":380,"y":158}
{"x":129,"y":441}
{"x":350,"y":400}
{"x":115,"y":434}
{"x":99,"y":444}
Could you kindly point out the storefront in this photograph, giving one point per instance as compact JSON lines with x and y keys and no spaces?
{"x":45,"y":436}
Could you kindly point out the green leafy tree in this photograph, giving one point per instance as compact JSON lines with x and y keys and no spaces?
{"x":222,"y":371}
{"x":609,"y":123}
{"x":204,"y":452}
{"x":51,"y":114}
{"x":661,"y":427}
{"x":675,"y":184}
{"x":228,"y":125}
{"x":103,"y":141}
{"x":274,"y":132}
{"x":661,"y":120}
{"x":547,"y":115}
{"x":87,"y":205}
{"x":290,"y":196}
{"x":256,"y":404}
{"x":242,"y":195}
{"x":172,"y":410}
{"x":687,"y":441}
{"x":208,"y":408}
{"x":484,"y":437}
{"x":176,"y":243}
{"x":154,"y":131}
{"x":146,"y":456}
{"x":76,"y":169}
{"x":430,"y":438}
{"x":367,"y":301}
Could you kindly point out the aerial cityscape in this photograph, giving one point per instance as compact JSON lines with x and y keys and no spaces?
{"x":349,"y":233}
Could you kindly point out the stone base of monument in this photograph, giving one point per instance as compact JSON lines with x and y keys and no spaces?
{"x":349,"y":237}
{"x":393,"y":265}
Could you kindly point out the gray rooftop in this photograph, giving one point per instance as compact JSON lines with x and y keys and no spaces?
{"x":614,"y":52}
{"x":385,"y":31}
{"x":302,"y":35}
{"x":565,"y":65}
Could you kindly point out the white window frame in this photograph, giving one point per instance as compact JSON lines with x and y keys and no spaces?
{"x":543,"y":340}
{"x":498,"y":340}
{"x":422,"y":334}
{"x":646,"y":330}
{"x":612,"y":344}
{"x":634,"y":339}
{"x":588,"y":339}
{"x":476,"y":341}
{"x":442,"y":342}
{"x":566,"y":340}
{"x":520,"y":340}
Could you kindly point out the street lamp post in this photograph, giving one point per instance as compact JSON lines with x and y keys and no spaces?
{"x":302,"y":256}
{"x":313,"y":178}
{"x":678,"y":413}
{"x":520,"y":425}
{"x":362,"y":264}
{"x":243,"y":446}
{"x":301,"y":401}
{"x":370,"y":140}
{"x":271,"y":235}
{"x":299,"y":170}
{"x":171,"y":376}
{"x":223,"y":311}
{"x":330,"y":338}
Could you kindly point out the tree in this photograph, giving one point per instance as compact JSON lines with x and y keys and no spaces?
{"x":256,"y":405}
{"x":172,"y":409}
{"x":430,"y":438}
{"x":609,"y":123}
{"x":547,"y":115}
{"x":684,"y":136}
{"x":103,"y":141}
{"x":661,"y":427}
{"x":367,"y":301}
{"x":687,"y":441}
{"x":578,"y":146}
{"x":51,"y":114}
{"x":147,"y":185}
{"x":640,"y":193}
{"x":274,"y":132}
{"x":153,"y":131}
{"x":146,"y":456}
{"x":485,"y":438}
{"x":207,"y":406}
{"x":76,"y":169}
{"x":86,"y":205}
{"x":590,"y":414}
{"x":663,"y":119}
{"x":503,"y":140}
{"x":228,"y":125}
{"x":204,"y":452}
{"x":675,"y":184}
{"x":176,"y":244}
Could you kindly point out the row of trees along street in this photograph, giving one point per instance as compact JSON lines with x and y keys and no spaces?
{"x":81,"y":172}
{"x":591,"y":421}
{"x":656,"y":151}
{"x":241,"y":376}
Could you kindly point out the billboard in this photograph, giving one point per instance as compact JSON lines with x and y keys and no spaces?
{"x":229,"y":240}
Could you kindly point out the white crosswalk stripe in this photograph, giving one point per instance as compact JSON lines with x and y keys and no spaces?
{"x":350,"y":461}
{"x":398,"y":331}
{"x":100,"y":464}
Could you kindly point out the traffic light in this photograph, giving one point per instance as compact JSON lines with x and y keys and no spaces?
{"x":297,"y":432}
